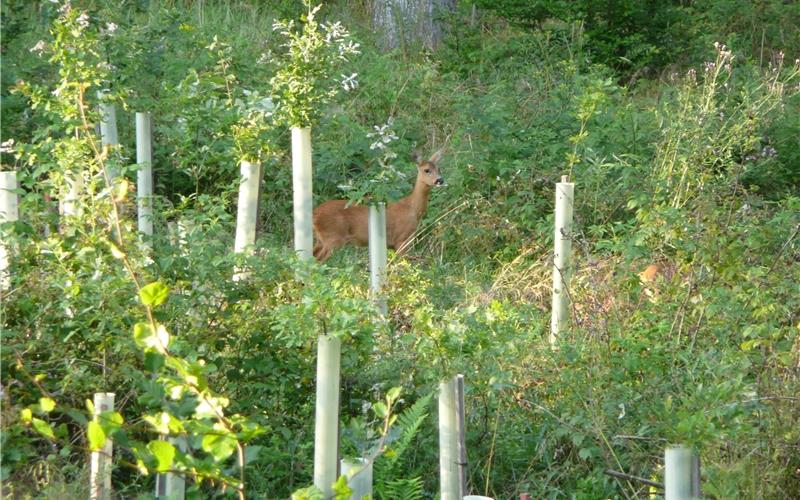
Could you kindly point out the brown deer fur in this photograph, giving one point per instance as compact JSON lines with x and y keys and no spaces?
{"x":336,"y":225}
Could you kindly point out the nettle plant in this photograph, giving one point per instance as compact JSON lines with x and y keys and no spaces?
{"x":190,"y":408}
{"x":305,"y":79}
{"x":382,"y":180}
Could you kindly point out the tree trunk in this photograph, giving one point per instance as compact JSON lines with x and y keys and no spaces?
{"x":403,"y":22}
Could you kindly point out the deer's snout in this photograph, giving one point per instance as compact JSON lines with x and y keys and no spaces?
{"x":440,"y":181}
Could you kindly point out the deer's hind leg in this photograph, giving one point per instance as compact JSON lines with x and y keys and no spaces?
{"x":322,"y":252}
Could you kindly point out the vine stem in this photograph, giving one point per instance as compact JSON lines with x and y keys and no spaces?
{"x":101,"y":155}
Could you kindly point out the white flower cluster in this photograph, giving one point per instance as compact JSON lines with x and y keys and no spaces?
{"x":334,"y":32}
{"x":83,"y":20}
{"x":39,"y":47}
{"x":383,"y":135}
{"x":348,"y":48}
{"x":109,"y":29}
{"x":337,"y":34}
{"x":349,"y":82}
{"x":7,"y":146}
{"x":65,"y":7}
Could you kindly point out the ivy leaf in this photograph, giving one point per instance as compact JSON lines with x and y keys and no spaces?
{"x":164,"y":452}
{"x":220,"y":446}
{"x":154,"y":294}
{"x":97,"y":437}
{"x":43,"y":428}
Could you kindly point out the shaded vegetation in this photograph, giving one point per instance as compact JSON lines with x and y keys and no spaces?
{"x":684,"y":153}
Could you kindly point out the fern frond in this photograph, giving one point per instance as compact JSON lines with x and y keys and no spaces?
{"x":403,"y":489}
{"x":408,"y":424}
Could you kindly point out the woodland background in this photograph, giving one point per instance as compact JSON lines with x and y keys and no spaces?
{"x":678,"y":121}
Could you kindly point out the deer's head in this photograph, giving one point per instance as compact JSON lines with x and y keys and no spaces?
{"x":428,"y":170}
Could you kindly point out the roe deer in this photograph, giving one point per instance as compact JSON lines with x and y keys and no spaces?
{"x":655,"y":276}
{"x":337,"y":225}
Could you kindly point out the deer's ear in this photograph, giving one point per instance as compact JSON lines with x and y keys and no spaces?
{"x":416,"y":157}
{"x":437,"y":156}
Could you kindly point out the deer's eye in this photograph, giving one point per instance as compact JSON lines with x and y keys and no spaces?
{"x":427,"y":170}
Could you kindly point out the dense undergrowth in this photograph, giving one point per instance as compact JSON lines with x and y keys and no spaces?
{"x":694,"y":166}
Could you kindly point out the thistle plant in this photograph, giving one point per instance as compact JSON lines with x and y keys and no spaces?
{"x":727,"y":116}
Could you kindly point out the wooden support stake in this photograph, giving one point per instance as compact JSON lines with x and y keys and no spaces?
{"x":100,"y":474}
{"x":449,"y":484}
{"x":562,"y":258}
{"x":326,"y":422}
{"x":171,"y":486}
{"x":108,"y":127}
{"x":358,"y":472}
{"x":144,"y":176}
{"x":461,"y":434}
{"x":678,"y":473}
{"x":9,"y":212}
{"x":302,"y":189}
{"x":247,"y":213}
{"x":70,"y":203}
{"x":377,"y":254}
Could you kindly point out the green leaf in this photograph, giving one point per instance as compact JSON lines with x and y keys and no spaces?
{"x":154,"y":294}
{"x":110,"y":421}
{"x":153,"y":361}
{"x":115,"y":251}
{"x":97,"y":437}
{"x":43,"y":428}
{"x":341,"y":490}
{"x":380,"y":410}
{"x":146,"y":338}
{"x":164,"y":452}
{"x":26,"y":415}
{"x":309,"y":493}
{"x":141,"y":333}
{"x":251,"y":453}
{"x":47,"y":405}
{"x":393,"y":394}
{"x":220,"y":446}
{"x":161,"y":422}
{"x":210,"y":407}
